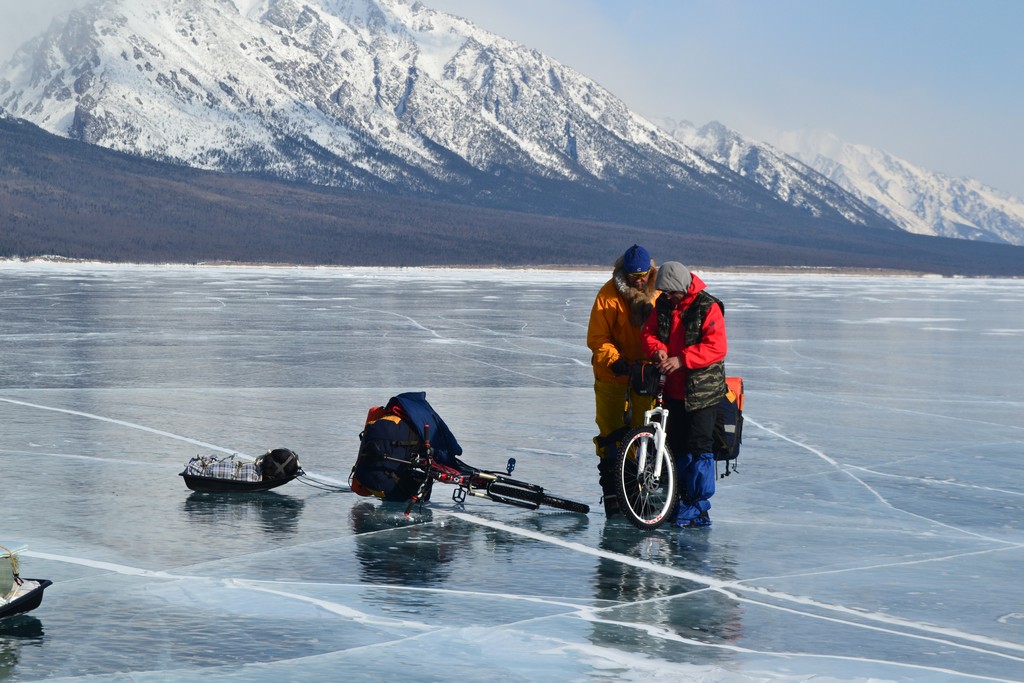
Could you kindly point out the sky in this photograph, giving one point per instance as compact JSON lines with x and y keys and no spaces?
{"x":939,"y":83}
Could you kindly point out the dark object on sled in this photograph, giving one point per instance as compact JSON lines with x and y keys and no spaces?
{"x":27,"y":601}
{"x":211,"y":474}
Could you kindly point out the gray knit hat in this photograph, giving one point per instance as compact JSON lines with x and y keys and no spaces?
{"x":673,"y":277}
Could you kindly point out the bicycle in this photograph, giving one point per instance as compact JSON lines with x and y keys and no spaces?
{"x":645,"y":471}
{"x":470,"y":481}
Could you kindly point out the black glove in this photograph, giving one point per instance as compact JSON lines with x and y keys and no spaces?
{"x":620,"y":367}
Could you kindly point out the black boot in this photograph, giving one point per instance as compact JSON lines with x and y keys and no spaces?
{"x":610,"y":497}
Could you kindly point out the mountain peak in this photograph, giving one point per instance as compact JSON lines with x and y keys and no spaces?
{"x":919,"y":201}
{"x":779,"y":174}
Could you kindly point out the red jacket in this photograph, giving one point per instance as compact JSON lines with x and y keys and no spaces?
{"x":710,"y":349}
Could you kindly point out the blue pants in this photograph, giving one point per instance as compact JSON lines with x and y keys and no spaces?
{"x":691,"y":438}
{"x":696,"y":474}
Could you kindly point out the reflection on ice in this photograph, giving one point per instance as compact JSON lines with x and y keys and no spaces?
{"x":271,"y":512}
{"x":873,"y":531}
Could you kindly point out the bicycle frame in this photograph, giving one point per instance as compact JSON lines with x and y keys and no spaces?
{"x":657,"y":418}
{"x":477,"y":483}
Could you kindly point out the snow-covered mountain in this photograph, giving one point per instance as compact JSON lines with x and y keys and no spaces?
{"x":382,"y":95}
{"x":785,"y":177}
{"x":391,"y":96}
{"x":373,"y":94}
{"x":805,"y":165}
{"x":916,"y":199}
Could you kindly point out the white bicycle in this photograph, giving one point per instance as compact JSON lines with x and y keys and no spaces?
{"x":645,"y":472}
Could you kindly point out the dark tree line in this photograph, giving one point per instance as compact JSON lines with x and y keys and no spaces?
{"x":59,"y":197}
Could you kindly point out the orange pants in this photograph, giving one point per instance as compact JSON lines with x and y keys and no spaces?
{"x":610,"y":399}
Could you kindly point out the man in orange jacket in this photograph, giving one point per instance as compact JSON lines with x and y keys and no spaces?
{"x":620,"y":310}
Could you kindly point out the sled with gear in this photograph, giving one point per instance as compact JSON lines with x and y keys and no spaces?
{"x":232,"y":474}
{"x":17,"y":595}
{"x":405,"y":447}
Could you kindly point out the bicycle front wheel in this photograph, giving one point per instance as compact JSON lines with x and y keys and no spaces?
{"x":565,"y":504}
{"x":514,"y":495}
{"x":503,"y":493}
{"x":646,"y":497}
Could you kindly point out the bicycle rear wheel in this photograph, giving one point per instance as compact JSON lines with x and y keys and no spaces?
{"x":645,"y":499}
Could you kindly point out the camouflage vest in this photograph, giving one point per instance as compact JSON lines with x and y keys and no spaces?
{"x":704,"y":386}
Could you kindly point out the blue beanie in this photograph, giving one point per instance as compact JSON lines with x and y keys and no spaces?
{"x":636,"y":260}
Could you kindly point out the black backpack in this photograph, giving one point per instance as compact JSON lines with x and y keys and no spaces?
{"x":279,"y":463}
{"x":728,"y":434}
{"x":382,"y":469}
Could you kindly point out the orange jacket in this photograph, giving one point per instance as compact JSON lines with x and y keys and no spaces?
{"x":612,"y":332}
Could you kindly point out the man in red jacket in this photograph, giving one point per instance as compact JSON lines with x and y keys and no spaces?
{"x":685,"y":337}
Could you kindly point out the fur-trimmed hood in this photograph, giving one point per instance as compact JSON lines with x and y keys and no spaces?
{"x":638,"y":300}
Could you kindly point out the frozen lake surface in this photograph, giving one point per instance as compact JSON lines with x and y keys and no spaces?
{"x":873,"y":532}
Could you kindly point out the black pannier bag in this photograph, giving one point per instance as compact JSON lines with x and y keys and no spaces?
{"x":729,"y":422}
{"x":644,"y":378}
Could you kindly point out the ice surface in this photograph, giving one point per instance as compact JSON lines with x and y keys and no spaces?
{"x":873,"y":531}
